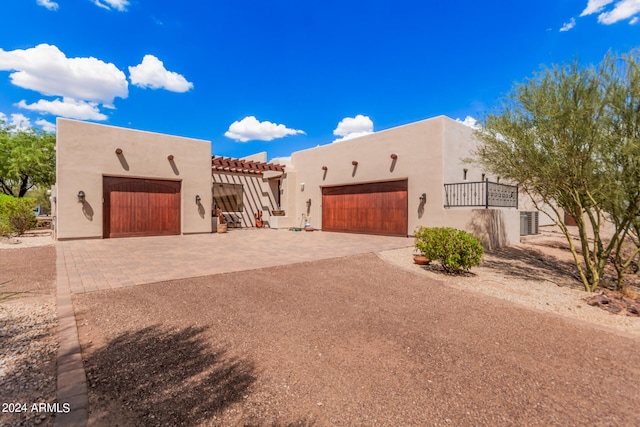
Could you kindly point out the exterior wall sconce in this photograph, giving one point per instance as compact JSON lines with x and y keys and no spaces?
{"x":324,"y":168}
{"x":308,"y":203}
{"x":118,"y":151}
{"x":465,"y":170}
{"x":198,"y":199}
{"x":423,"y":198}
{"x":80,"y":196}
{"x":170,"y":157}
{"x":302,"y":186}
{"x":354,"y":163}
{"x":394,"y":156}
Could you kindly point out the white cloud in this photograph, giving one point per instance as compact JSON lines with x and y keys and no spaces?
{"x":595,"y":6}
{"x":18,"y":121}
{"x":46,"y":126}
{"x":120,"y":5}
{"x":51,"y":5}
{"x":47,"y":70}
{"x":622,"y":10}
{"x":568,"y":25}
{"x":250,"y":128}
{"x":353,"y":127}
{"x":68,"y":107}
{"x":633,"y":20}
{"x":151,"y":73}
{"x":471,"y":122}
{"x":23,"y":123}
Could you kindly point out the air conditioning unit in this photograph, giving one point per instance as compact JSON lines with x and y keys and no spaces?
{"x":529,"y":223}
{"x":532,"y":222}
{"x":524,"y":225}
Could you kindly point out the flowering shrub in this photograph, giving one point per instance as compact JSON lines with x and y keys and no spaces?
{"x":455,"y":249}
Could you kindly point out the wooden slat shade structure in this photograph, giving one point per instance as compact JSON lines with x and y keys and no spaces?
{"x":230,"y":165}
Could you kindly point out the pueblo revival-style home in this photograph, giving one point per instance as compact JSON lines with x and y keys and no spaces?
{"x":114,"y":182}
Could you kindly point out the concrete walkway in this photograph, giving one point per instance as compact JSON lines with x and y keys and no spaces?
{"x":94,"y":265}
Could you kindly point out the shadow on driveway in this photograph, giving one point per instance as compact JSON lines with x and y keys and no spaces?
{"x":165,"y":377}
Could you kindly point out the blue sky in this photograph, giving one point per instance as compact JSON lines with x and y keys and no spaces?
{"x":282,"y":75}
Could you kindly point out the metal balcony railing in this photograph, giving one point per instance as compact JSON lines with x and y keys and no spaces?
{"x":482,"y":193}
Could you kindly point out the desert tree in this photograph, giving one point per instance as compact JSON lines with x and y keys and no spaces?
{"x":27,"y":159}
{"x":553,"y":134}
{"x":622,"y":78}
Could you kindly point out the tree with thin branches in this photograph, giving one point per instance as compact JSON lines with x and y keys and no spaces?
{"x":568,"y":136}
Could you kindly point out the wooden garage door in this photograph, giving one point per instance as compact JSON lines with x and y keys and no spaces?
{"x":377,"y":208}
{"x":140,"y":207}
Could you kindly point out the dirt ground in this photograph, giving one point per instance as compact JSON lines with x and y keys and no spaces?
{"x":347,"y":341}
{"x":28,"y":328}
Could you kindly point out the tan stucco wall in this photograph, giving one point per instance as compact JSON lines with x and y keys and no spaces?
{"x":287,"y":201}
{"x":86,"y":153}
{"x":429,"y":153}
{"x":418,"y":147}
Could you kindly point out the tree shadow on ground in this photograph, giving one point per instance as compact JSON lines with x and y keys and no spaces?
{"x":164,"y":377}
{"x":532,"y":264}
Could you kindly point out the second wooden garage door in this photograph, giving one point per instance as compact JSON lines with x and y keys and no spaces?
{"x":140,"y":207}
{"x":376,"y":208}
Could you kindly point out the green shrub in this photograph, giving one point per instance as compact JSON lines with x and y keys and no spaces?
{"x":16,"y":214}
{"x":455,"y":249}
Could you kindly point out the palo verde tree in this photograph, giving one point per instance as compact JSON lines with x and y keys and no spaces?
{"x":554,"y":134}
{"x":622,"y":78}
{"x":27,"y":159}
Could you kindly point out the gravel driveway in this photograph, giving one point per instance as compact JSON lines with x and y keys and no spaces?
{"x":347,"y":341}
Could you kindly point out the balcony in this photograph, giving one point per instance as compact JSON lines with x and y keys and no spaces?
{"x":481,"y":194}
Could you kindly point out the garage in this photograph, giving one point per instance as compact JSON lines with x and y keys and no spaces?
{"x":140,"y":207}
{"x":373,"y":208}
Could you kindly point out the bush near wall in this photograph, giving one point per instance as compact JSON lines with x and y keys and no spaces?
{"x":16,"y":214}
{"x":455,"y":249}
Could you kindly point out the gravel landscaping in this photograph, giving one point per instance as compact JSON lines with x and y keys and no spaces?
{"x":538,"y":274}
{"x":28,"y":327}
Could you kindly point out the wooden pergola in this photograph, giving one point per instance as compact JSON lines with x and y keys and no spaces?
{"x":231,"y":165}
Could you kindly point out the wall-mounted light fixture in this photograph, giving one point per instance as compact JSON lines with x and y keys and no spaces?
{"x":464,"y":175}
{"x":423,"y":198}
{"x":198,"y":199}
{"x":394,"y":156}
{"x":302,"y":186}
{"x":354,"y":163}
{"x":118,"y":151}
{"x":170,"y":157}
{"x":308,"y":203}
{"x":324,"y":168}
{"x":81,"y":196}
